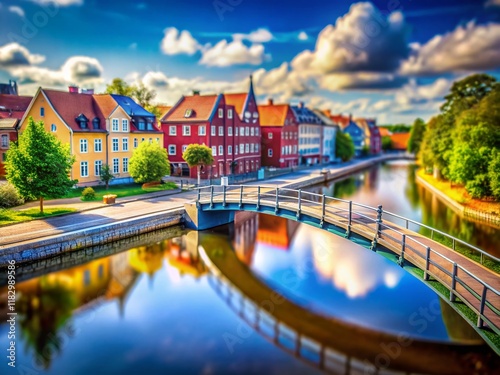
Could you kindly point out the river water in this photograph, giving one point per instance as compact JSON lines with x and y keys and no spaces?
{"x":150,"y":306}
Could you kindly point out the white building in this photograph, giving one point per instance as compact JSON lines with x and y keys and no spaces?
{"x":310,"y":135}
{"x":329,"y":132}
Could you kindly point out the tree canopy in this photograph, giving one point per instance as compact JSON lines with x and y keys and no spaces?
{"x":197,"y":155}
{"x":120,"y":87}
{"x":39,"y":165}
{"x":149,"y":163}
{"x":344,"y":146}
{"x":416,"y":136}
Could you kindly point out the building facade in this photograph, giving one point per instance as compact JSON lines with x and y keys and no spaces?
{"x":310,"y":135}
{"x":280,"y":135}
{"x":329,"y":132}
{"x":373,"y":140}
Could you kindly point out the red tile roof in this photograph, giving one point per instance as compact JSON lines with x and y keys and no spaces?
{"x":202,"y":107}
{"x":164,"y":109}
{"x":106,"y":103}
{"x":384,"y":132}
{"x":237,"y":100}
{"x":400,"y":141}
{"x":273,"y":115}
{"x":70,"y":105}
{"x":13,"y":106}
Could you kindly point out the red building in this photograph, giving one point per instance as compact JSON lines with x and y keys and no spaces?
{"x":280,"y":140}
{"x":12,"y":108}
{"x":227,"y":123}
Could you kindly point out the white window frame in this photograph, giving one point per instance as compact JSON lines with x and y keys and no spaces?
{"x":221,"y":113}
{"x":247,"y":130}
{"x":136,"y":142}
{"x":236,"y":150}
{"x":53,"y":128}
{"x":221,"y":131}
{"x":252,"y":148}
{"x":84,"y":146}
{"x":270,"y":135}
{"x":116,"y":165}
{"x":186,"y":130}
{"x":236,"y":131}
{"x":242,"y":148}
{"x":214,"y":151}
{"x":229,"y":150}
{"x":247,"y":148}
{"x":124,"y":125}
{"x":98,"y":145}
{"x":124,"y":144}
{"x":221,"y":150}
{"x":125,"y":165}
{"x":5,"y":141}
{"x":213,"y":130}
{"x":230,"y":131}
{"x":202,"y":130}
{"x":172,"y":130}
{"x":84,"y":172}
{"x":270,"y":152}
{"x":97,"y":168}
{"x":170,"y":148}
{"x":230,"y":113}
{"x":115,"y":125}
{"x":115,"y":141}
{"x":184,"y":147}
{"x":252,"y":131}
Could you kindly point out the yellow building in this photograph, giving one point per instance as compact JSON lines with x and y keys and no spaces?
{"x":100,"y":129}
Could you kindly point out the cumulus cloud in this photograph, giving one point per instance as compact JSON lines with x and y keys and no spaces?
{"x":303,"y":36}
{"x":17,"y":10}
{"x":468,"y":48}
{"x":175,"y":42}
{"x":360,"y":81}
{"x":13,"y":54}
{"x":62,"y":3}
{"x":258,"y":36}
{"x":412,"y":93}
{"x":363,"y":40}
{"x":232,"y":53}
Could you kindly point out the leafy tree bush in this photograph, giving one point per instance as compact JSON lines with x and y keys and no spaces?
{"x":106,"y":175}
{"x":197,"y":156}
{"x":386,"y":143}
{"x":9,"y":196}
{"x":478,"y":187}
{"x":39,"y":165}
{"x":149,"y":163}
{"x":344,"y":146}
{"x":88,"y":194}
{"x":416,"y":136}
{"x":494,"y":173}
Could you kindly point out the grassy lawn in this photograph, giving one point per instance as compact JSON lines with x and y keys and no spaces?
{"x":10,"y":216}
{"x":122,"y":190}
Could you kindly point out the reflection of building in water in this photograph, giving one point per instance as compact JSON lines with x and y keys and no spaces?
{"x":146,"y":259}
{"x":183,"y":254}
{"x":123,"y":277}
{"x":276,"y":231}
{"x":245,"y":231}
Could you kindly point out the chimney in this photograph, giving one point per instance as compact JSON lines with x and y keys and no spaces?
{"x":73,"y":89}
{"x":301,"y":104}
{"x":270,"y":101}
{"x":196,"y":92}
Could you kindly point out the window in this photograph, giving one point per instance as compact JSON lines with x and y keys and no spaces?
{"x":236,"y":131}
{"x":5,"y":141}
{"x":247,"y":148}
{"x":201,"y":130}
{"x":221,"y":150}
{"x":252,"y":132}
{"x":230,"y":131}
{"x":236,"y":150}
{"x":124,"y":144}
{"x":114,"y":125}
{"x":97,"y":167}
{"x":295,"y":149}
{"x":53,"y":128}
{"x":141,"y":125}
{"x":171,"y":149}
{"x":229,"y":150}
{"x":212,"y":130}
{"x":115,"y":145}
{"x":42,"y":111}
{"x":97,"y":145}
{"x":252,"y":148}
{"x":242,"y":148}
{"x":84,"y":169}
{"x":172,"y":130}
{"x":96,"y":123}
{"x":270,"y":152}
{"x":283,"y":150}
{"x":186,"y":130}
{"x":214,"y":151}
{"x":125,"y":165}
{"x":221,"y":113}
{"x":256,"y":131}
{"x":184,"y":147}
{"x":229,"y":113}
{"x":83,"y":146}
{"x":247,"y":130}
{"x":221,"y":131}
{"x":270,"y":135}
{"x":116,"y":165}
{"x":136,"y":143}
{"x":188,"y":112}
{"x":256,"y":147}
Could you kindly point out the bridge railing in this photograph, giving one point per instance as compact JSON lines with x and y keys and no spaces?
{"x":381,"y":225}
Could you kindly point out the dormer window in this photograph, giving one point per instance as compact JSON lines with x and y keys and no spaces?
{"x":188,"y":113}
{"x":141,"y":124}
{"x":96,"y":122}
{"x":150,"y":123}
{"x":82,"y":121}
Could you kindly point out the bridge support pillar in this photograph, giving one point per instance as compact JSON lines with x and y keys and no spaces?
{"x":198,"y":219}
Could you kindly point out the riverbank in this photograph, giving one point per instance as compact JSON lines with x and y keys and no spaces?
{"x":457,"y":198}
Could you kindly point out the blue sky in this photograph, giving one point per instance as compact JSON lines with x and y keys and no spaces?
{"x":393,"y":59}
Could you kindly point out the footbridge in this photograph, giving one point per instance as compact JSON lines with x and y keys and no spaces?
{"x":411,"y":244}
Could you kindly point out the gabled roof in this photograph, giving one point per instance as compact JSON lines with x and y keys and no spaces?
{"x":70,"y":105}
{"x":400,"y":140}
{"x":273,"y":114}
{"x":384,"y":132}
{"x":305,"y":116}
{"x":202,"y":107}
{"x":8,"y":123}
{"x":130,"y":107}
{"x":13,"y":106}
{"x":106,"y":103}
{"x":324,"y":118}
{"x":163,"y":109}
{"x":237,"y":100}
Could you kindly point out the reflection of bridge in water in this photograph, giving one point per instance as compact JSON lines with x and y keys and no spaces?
{"x":466,"y":281}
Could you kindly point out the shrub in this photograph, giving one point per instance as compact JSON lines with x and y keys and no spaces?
{"x":9,"y":196}
{"x":478,"y":187}
{"x":88,"y":194}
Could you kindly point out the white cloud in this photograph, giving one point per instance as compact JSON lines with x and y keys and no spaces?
{"x":175,"y":43}
{"x":258,"y":36}
{"x":62,"y":3}
{"x":412,"y":93}
{"x":360,"y":80}
{"x":17,"y":10}
{"x":13,"y":54}
{"x":363,"y":40}
{"x":303,"y":36}
{"x":233,"y":53}
{"x":468,"y":48}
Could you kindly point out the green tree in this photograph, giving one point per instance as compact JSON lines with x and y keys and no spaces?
{"x":120,"y":87}
{"x":149,"y":163}
{"x":386,"y":143}
{"x":106,"y":175}
{"x":467,"y":92}
{"x":142,"y":95}
{"x":197,"y":156}
{"x":344,"y":146}
{"x":494,"y":173}
{"x":416,"y":136}
{"x":38,"y":165}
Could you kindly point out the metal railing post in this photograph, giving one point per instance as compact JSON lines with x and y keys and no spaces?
{"x":453,"y":283}
{"x":349,"y":221}
{"x":198,"y":197}
{"x":211,"y":196}
{"x":258,"y":198}
{"x":401,"y":261}
{"x":299,"y":205}
{"x":323,"y":208}
{"x":224,"y":196}
{"x":427,"y":258}
{"x":277,"y":204}
{"x":241,"y":196}
{"x":480,"y":320}
{"x":377,"y":232}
